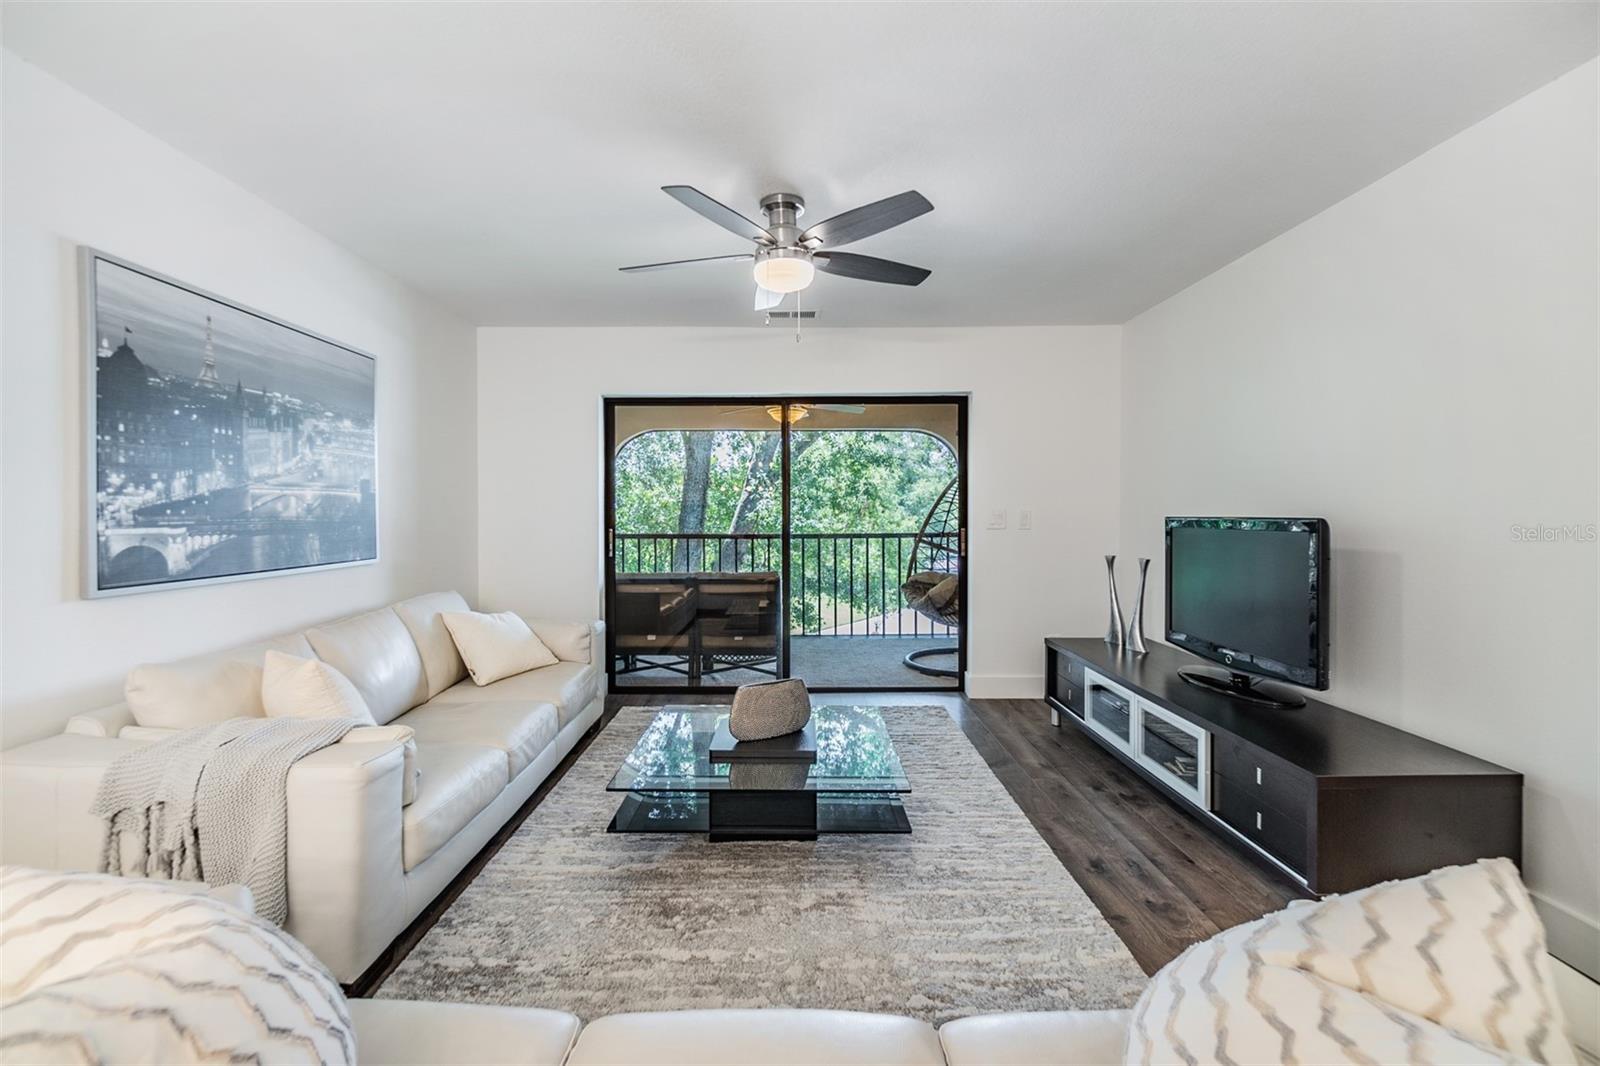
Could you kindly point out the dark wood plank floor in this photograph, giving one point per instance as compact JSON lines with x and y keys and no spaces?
{"x":1162,"y":880}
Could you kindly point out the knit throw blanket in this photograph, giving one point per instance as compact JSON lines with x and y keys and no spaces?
{"x":211,"y":804}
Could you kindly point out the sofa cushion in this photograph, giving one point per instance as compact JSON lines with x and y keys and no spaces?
{"x":770,"y":1037}
{"x":1036,"y":1038}
{"x":521,"y":729}
{"x":293,"y":686}
{"x":440,"y":659}
{"x":204,"y":688}
{"x":569,"y":686}
{"x":377,"y":654}
{"x":457,"y":782}
{"x":1446,"y":967}
{"x":398,"y":1032}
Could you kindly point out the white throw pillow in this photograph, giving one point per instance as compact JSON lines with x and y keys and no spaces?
{"x":293,"y":687}
{"x":569,"y":641}
{"x":108,"y":969}
{"x":1446,"y":967}
{"x":496,"y":646}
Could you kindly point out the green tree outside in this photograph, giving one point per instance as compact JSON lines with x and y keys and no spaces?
{"x":729,"y":482}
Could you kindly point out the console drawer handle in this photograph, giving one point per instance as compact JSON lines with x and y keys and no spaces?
{"x":1258,"y":820}
{"x":1258,"y":775}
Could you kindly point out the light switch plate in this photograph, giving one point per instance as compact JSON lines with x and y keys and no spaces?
{"x":997,"y":520}
{"x":1025,"y":520}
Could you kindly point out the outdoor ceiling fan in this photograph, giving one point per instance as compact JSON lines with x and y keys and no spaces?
{"x":797,"y":411}
{"x":786,"y":258}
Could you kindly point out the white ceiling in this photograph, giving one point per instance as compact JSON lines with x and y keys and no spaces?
{"x":1085,"y":160}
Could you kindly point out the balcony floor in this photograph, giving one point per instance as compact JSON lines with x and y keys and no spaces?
{"x":832,"y":662}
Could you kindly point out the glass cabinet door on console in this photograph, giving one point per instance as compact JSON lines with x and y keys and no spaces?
{"x":1109,"y":710}
{"x":1176,"y":751}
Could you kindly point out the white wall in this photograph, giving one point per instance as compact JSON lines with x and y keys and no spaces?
{"x":75,"y":173}
{"x":1418,"y":365}
{"x":1043,"y":429}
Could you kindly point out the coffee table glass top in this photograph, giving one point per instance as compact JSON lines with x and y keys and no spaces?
{"x":854,"y":754}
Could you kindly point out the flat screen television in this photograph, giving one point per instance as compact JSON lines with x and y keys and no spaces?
{"x":1252,"y":595}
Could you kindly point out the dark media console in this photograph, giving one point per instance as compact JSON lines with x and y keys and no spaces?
{"x":1337,"y":800}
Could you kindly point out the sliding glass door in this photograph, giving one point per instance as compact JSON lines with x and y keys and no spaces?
{"x":763,"y":537}
{"x":694,"y":545}
{"x":875,"y":525}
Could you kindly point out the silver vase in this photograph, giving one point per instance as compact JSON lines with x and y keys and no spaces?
{"x":1114,"y":629}
{"x":1136,"y":623}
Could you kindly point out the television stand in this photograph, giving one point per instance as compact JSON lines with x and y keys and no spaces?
{"x":1336,"y":800}
{"x":1242,"y":687}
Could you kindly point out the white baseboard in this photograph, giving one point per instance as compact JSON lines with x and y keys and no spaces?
{"x":1573,"y":938}
{"x":1005,"y":686}
{"x":1580,"y":1002}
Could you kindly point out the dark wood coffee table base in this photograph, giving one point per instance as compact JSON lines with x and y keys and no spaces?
{"x":763,"y":815}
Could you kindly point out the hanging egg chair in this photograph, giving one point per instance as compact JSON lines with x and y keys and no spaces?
{"x":932,"y":585}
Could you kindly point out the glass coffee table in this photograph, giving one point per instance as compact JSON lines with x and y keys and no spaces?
{"x":672,"y":786}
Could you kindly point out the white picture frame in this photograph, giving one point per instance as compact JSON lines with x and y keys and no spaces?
{"x":191,"y":478}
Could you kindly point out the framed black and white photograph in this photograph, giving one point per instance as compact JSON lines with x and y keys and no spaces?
{"x":224,"y":443}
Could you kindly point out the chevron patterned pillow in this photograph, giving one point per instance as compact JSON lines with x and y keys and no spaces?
{"x":1447,"y":967}
{"x":107,"y":969}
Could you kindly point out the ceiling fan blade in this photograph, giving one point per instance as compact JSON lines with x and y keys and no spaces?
{"x":721,"y":214}
{"x":842,"y":408}
{"x":766,"y":299}
{"x":742,"y":258}
{"x":865,"y":221}
{"x":869,"y":268}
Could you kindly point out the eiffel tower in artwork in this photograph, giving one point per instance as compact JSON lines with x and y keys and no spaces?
{"x":208,"y":367}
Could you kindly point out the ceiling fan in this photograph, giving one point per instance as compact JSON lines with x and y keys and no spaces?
{"x":786,"y":258}
{"x":797,"y":411}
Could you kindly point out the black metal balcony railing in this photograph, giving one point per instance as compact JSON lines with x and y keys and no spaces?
{"x":843,"y":584}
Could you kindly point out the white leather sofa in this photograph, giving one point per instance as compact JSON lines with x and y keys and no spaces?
{"x":401,"y":1033}
{"x":378,"y":824}
{"x":405,"y":1033}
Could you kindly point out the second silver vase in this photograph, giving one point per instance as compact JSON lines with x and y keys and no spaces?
{"x":1136,"y":623}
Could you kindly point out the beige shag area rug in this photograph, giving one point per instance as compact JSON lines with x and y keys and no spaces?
{"x":969,"y":913}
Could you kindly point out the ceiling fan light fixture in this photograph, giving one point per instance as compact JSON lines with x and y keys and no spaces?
{"x":797,"y":411}
{"x":784,"y":270}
